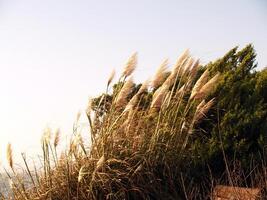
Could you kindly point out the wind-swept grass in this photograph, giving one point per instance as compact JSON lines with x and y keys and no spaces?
{"x":141,"y":136}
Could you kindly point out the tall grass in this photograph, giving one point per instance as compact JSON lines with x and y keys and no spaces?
{"x":140,"y":140}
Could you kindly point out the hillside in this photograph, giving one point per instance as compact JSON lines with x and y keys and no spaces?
{"x":175,"y":136}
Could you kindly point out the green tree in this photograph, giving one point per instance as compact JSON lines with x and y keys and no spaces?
{"x":238,"y":123}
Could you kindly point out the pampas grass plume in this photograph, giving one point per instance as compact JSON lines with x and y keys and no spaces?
{"x":159,"y":97}
{"x":111,"y":77}
{"x":9,"y":155}
{"x":134,"y":100}
{"x":187,"y":66}
{"x":123,"y":94}
{"x":200,"y":82}
{"x":205,"y":89}
{"x":182,"y":58}
{"x":160,"y":75}
{"x":46,"y":135}
{"x":194,"y":68}
{"x":130,"y":65}
{"x":202,"y":109}
{"x":56,"y":138}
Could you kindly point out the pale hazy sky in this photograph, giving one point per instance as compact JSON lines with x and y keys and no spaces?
{"x":56,"y":53}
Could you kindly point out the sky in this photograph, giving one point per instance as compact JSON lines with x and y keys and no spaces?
{"x":54,"y":54}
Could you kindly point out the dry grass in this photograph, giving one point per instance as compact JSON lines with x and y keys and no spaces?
{"x":138,"y":145}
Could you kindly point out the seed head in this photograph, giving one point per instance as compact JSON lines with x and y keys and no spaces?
{"x":181,"y":60}
{"x":205,"y":89}
{"x":159,"y":97}
{"x":130,"y":65}
{"x":200,"y":82}
{"x":10,"y":155}
{"x":160,"y":75}
{"x":121,"y":100}
{"x":111,"y":77}
{"x":56,"y":138}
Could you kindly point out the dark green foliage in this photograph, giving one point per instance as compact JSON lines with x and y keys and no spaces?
{"x":233,"y":132}
{"x":235,"y":126}
{"x":238,"y":122}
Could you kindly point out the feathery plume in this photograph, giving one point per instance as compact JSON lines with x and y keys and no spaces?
{"x":200,"y":105}
{"x":9,"y":155}
{"x":156,"y":93}
{"x":159,"y":98}
{"x":200,"y":112}
{"x":176,"y":69}
{"x":124,"y":92}
{"x":202,"y":109}
{"x":194,"y":68}
{"x":46,"y":135}
{"x":187,"y":66}
{"x":136,"y":97}
{"x":169,"y":81}
{"x":130,"y":65}
{"x":181,"y":60}
{"x":111,"y":77}
{"x":143,"y":87}
{"x":56,"y":138}
{"x":205,"y":89}
{"x":160,"y":75}
{"x":132,"y":103}
{"x":134,"y":100}
{"x":200,"y":82}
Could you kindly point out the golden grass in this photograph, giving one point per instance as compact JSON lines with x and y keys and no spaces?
{"x":9,"y":155}
{"x":137,"y":144}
